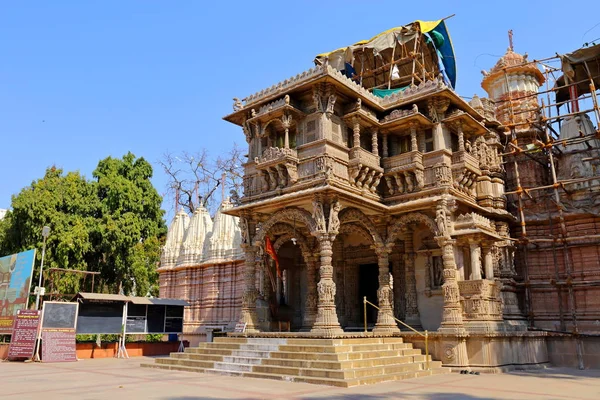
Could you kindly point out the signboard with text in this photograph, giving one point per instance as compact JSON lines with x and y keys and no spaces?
{"x":59,"y":321}
{"x":15,"y":282}
{"x":24,"y":334}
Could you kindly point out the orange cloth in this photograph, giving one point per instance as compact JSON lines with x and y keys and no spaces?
{"x":270,"y":250}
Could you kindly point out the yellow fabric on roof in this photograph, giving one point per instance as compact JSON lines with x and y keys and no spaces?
{"x":426,"y":26}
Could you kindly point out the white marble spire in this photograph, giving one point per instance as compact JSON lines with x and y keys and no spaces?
{"x":193,"y":243}
{"x":224,"y":243}
{"x":174,"y":242}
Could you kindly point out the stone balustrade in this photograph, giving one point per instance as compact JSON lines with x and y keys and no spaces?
{"x":364,"y":169}
{"x":404,"y":173}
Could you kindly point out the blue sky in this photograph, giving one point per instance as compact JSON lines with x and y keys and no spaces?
{"x":82,"y":80}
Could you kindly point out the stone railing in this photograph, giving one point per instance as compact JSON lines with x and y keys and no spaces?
{"x":462,"y":157}
{"x":480,"y":300}
{"x":365,"y":157}
{"x":284,"y":86}
{"x":278,"y":168}
{"x":407,"y":160}
{"x":404,"y":173}
{"x":275,"y":154}
{"x":465,"y":171}
{"x":364,"y":169}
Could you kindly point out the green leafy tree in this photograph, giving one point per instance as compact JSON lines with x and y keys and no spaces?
{"x":112,"y":224}
{"x":131,"y":222}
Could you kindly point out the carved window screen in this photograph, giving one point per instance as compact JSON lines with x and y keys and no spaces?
{"x":335,"y":132}
{"x":428,"y":141}
{"x":311,"y":131}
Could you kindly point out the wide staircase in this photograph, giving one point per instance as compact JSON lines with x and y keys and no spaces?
{"x":336,"y":362}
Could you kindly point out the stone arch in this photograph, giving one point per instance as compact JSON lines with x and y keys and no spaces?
{"x":288,"y":235}
{"x":355,"y":215}
{"x":349,"y":228}
{"x":400,"y":223}
{"x":287,"y":214}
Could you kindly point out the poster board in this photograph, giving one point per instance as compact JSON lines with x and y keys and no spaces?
{"x":15,"y":284}
{"x":59,"y":322}
{"x":100,"y":318}
{"x":24,"y":335}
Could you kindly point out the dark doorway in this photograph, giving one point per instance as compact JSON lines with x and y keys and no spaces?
{"x":368,"y":283}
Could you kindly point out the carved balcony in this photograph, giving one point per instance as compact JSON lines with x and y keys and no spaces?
{"x":480,"y":300}
{"x":277,"y":167}
{"x":364,"y":169}
{"x":403,"y":173}
{"x":465,"y":171}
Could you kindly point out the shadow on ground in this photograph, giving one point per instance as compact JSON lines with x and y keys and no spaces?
{"x":358,"y":396}
{"x":559,"y":373}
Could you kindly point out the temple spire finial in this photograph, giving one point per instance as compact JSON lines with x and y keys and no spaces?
{"x":510,"y":40}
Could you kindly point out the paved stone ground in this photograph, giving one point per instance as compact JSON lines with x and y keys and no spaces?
{"x":123,"y":379}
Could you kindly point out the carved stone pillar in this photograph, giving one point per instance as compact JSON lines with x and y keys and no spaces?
{"x":437,"y":109}
{"x":310,"y":308}
{"x":286,"y":120}
{"x":488,"y":262}
{"x":374,"y":144}
{"x":384,"y":143}
{"x":356,"y":133}
{"x":250,"y":294}
{"x":412,"y":317}
{"x":452,"y":320}
{"x":325,"y":230}
{"x":413,"y":137}
{"x":327,"y":320}
{"x":461,"y":137}
{"x":475,"y":261}
{"x":385,"y":296}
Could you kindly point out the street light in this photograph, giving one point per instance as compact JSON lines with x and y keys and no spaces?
{"x":45,"y":233}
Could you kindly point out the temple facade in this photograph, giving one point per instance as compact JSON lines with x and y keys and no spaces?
{"x":370,"y":178}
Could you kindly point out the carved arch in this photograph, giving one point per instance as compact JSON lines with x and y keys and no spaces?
{"x":301,"y":240}
{"x":400,"y":223}
{"x":287,"y":214}
{"x":355,"y":215}
{"x":350,"y":228}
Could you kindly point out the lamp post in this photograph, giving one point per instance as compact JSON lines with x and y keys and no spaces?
{"x":45,"y":233}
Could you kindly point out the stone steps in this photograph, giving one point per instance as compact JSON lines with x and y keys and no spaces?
{"x":337,"y":362}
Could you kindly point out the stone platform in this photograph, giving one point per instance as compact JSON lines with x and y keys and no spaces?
{"x":343,"y":362}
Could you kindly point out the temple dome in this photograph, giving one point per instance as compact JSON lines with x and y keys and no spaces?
{"x":193,"y":243}
{"x":174,"y":242}
{"x":224,"y":242}
{"x":514,"y":64}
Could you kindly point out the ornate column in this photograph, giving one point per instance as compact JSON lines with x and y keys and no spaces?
{"x":384,"y":143}
{"x":488,"y":262}
{"x":385,"y":295}
{"x":413,"y":137}
{"x":452,"y":315}
{"x":325,"y":230}
{"x":374,"y":144}
{"x":437,"y":109}
{"x":286,"y":120}
{"x":412,"y":317}
{"x":356,"y":133}
{"x":250,"y":294}
{"x":310,"y":308}
{"x":475,"y":261}
{"x":461,"y":137}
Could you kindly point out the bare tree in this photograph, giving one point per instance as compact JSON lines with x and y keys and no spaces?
{"x":193,"y":178}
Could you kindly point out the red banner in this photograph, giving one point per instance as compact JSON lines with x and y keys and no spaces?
{"x":270,"y":250}
{"x":24,"y":334}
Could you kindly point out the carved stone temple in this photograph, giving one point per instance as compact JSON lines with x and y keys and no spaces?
{"x":373,"y":178}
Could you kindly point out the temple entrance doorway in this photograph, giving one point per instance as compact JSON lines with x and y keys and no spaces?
{"x":367,"y":286}
{"x":291,"y":296}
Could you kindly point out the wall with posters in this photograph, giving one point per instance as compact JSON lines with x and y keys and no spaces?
{"x":15,"y":281}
